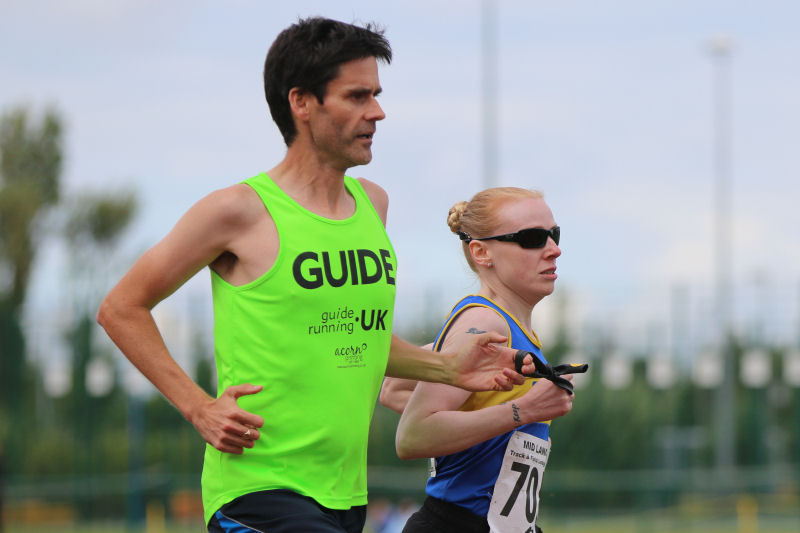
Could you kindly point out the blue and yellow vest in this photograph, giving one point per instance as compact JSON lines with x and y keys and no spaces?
{"x":467,"y":478}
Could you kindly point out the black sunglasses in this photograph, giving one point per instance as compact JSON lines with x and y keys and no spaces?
{"x":527,"y":238}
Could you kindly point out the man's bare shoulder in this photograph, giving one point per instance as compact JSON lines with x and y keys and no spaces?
{"x":236,"y":221}
{"x":236,"y":205}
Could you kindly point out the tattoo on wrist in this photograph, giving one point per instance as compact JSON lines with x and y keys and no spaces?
{"x":515,"y":410}
{"x":475,"y":331}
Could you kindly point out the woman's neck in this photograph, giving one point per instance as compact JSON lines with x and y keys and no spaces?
{"x":513,"y":304}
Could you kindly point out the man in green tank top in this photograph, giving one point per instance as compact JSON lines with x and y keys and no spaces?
{"x":303,"y":278}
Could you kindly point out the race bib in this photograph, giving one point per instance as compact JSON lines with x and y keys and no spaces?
{"x":515,"y":501}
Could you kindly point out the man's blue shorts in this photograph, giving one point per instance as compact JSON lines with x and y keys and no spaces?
{"x":284,"y":511}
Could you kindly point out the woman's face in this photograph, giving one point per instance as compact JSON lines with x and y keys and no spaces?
{"x":528,"y":272}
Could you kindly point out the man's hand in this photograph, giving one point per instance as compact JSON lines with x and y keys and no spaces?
{"x":484,"y":365}
{"x":226,"y":426}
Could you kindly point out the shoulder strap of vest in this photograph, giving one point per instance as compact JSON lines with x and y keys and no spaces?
{"x":362,"y":198}
{"x":472,"y":300}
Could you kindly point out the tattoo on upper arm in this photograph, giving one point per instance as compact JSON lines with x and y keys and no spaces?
{"x":475,"y":331}
{"x":515,"y":410}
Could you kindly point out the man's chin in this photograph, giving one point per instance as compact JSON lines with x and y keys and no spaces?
{"x":362,"y":160}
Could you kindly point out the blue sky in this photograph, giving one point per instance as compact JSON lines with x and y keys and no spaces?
{"x":605,"y":106}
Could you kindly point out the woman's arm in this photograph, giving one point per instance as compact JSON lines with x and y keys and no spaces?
{"x":395,"y":393}
{"x":432,"y":425}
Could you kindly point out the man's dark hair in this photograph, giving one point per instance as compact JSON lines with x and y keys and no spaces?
{"x":307,"y":55}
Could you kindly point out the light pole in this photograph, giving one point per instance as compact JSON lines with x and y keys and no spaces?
{"x":489,"y":73}
{"x":720,"y":49}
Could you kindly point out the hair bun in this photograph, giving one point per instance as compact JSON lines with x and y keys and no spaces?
{"x":454,"y":216}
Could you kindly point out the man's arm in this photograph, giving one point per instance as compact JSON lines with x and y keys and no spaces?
{"x":395,"y":392}
{"x":479,"y":365}
{"x":202,"y":235}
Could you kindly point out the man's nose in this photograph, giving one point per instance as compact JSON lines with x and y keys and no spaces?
{"x":376,"y":111}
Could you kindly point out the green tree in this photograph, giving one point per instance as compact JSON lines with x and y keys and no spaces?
{"x":30,"y":176}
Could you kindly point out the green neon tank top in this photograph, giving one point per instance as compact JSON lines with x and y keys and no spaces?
{"x":315,"y":331}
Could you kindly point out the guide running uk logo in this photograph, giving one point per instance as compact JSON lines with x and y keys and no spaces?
{"x":344,"y":319}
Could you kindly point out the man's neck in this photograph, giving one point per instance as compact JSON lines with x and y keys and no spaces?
{"x":317,"y":186}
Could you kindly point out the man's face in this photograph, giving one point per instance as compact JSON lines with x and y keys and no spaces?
{"x":343,"y":125}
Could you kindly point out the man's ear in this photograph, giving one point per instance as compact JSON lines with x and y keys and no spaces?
{"x":298,"y":103}
{"x":480,"y":253}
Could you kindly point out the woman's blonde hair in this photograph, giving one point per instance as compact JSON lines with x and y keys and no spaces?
{"x":480,"y":217}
